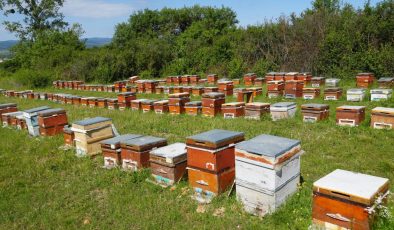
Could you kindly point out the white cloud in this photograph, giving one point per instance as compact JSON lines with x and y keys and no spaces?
{"x":96,"y":9}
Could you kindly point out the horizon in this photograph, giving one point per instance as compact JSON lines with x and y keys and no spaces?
{"x":100,"y":21}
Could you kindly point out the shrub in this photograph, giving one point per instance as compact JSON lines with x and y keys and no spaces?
{"x":33,"y":78}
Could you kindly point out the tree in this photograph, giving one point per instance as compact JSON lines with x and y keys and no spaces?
{"x":38,"y":16}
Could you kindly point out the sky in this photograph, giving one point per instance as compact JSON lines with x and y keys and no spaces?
{"x":99,"y":17}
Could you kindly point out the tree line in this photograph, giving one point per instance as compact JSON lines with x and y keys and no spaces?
{"x":329,"y":39}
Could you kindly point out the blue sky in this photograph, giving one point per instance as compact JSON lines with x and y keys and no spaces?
{"x":99,"y":17}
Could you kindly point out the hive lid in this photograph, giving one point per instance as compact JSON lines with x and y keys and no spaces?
{"x":148,"y":101}
{"x":234,"y":104}
{"x":332,"y":89}
{"x":118,"y":139}
{"x":363,"y":74}
{"x":161,"y":102}
{"x":17,"y":113}
{"x":356,"y":91}
{"x":292,"y":73}
{"x":332,"y":79}
{"x":384,"y":91}
{"x":213,"y":95}
{"x":268,"y":145}
{"x":312,"y":105}
{"x":139,"y":100}
{"x":362,"y":186}
{"x":144,"y":140}
{"x":216,"y":137}
{"x":198,"y":87}
{"x":318,"y":78}
{"x":126,"y":94}
{"x":38,"y":109}
{"x":258,"y":104}
{"x":386,"y":79}
{"x":275,"y":82}
{"x":178,"y":95}
{"x":170,"y":151}
{"x":7,"y":105}
{"x":351,"y":107}
{"x":271,"y":73}
{"x":51,"y":112}
{"x":91,"y":121}
{"x":194,"y":103}
{"x":112,"y":99}
{"x":383,"y":110}
{"x":283,"y":104}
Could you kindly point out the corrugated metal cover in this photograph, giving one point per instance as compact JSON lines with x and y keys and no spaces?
{"x":7,"y":105}
{"x":216,"y":136}
{"x":170,"y":151}
{"x":312,"y":105}
{"x":35,"y":110}
{"x":51,"y":111}
{"x":92,"y":121}
{"x":193,"y":103}
{"x":118,"y":139}
{"x":268,"y":145}
{"x":284,"y":104}
{"x":144,"y":140}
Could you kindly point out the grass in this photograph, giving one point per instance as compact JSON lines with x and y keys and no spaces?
{"x":43,"y":187}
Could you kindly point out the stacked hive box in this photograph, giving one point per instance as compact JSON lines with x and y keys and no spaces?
{"x":332,"y":82}
{"x":31,"y":117}
{"x":314,"y":112}
{"x":124,"y":100}
{"x":233,"y":109}
{"x":52,"y":121}
{"x":211,"y":161}
{"x":257,"y":82}
{"x":386,"y":82}
{"x":112,"y":103}
{"x":89,"y":133}
{"x":267,"y":172}
{"x":275,"y":88}
{"x":112,"y":151}
{"x":256,"y":109}
{"x":279,"y":76}
{"x":135,"y":152}
{"x":159,"y":90}
{"x":137,"y":104}
{"x":185,"y":79}
{"x":212,"y":103}
{"x":256,"y":91}
{"x":382,"y":118}
{"x":270,"y":76}
{"x":76,"y":100}
{"x":150,"y":86}
{"x":347,"y":200}
{"x":193,"y":108}
{"x":92,"y":102}
{"x":211,"y":89}
{"x":177,"y":89}
{"x":249,"y":79}
{"x":283,"y":110}
{"x":197,"y":91}
{"x":141,"y":86}
{"x":244,"y":95}
{"x":194,"y":79}
{"x":177,"y":101}
{"x":9,"y":119}
{"x":226,"y":87}
{"x":133,"y":79}
{"x":332,"y":94}
{"x":187,"y":89}
{"x":7,"y":108}
{"x":102,"y":103}
{"x":293,"y":88}
{"x":168,"y":163}
{"x":212,"y":78}
{"x":365,"y":80}
{"x":317,"y":81}
{"x":310,"y":93}
{"x":147,"y":105}
{"x":350,"y":115}
{"x":291,"y":76}
{"x":161,"y":106}
{"x":21,"y":122}
{"x":68,"y":136}
{"x":355,"y":94}
{"x":306,"y":77}
{"x":381,"y":94}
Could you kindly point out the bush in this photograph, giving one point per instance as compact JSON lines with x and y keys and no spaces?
{"x":33,"y":78}
{"x":236,"y":68}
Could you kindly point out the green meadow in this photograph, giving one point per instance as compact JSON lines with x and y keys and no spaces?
{"x":45,"y":187}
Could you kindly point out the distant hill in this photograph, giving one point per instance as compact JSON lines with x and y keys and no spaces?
{"x":90,"y":42}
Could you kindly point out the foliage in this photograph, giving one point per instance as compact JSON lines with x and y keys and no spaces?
{"x":33,"y":79}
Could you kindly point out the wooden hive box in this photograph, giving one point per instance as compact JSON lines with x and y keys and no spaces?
{"x":212,"y":151}
{"x":133,"y":79}
{"x":168,"y":163}
{"x":112,"y":103}
{"x":310,"y":93}
{"x":92,"y":101}
{"x":225,"y":85}
{"x":283,"y":110}
{"x":52,"y":121}
{"x":140,"y":86}
{"x":249,"y":79}
{"x":275,"y":85}
{"x":111,"y":149}
{"x":270,"y":76}
{"x":267,"y":172}
{"x":194,"y":79}
{"x":102,"y":103}
{"x":291,"y":76}
{"x":211,"y":103}
{"x":185,"y":79}
{"x":255,"y":110}
{"x":197,"y":91}
{"x":193,"y":108}
{"x":126,"y":97}
{"x":21,"y":122}
{"x":31,"y":117}
{"x":293,"y":88}
{"x":350,"y":115}
{"x":256,"y":91}
{"x":159,"y":90}
{"x":68,"y":136}
{"x":382,"y":118}
{"x":89,"y":133}
{"x":85,"y":101}
{"x":317,"y":81}
{"x":177,"y":89}
{"x":7,"y":108}
{"x":347,"y":200}
{"x":332,"y":82}
{"x":69,"y":99}
{"x":10,"y":93}
{"x":137,"y":104}
{"x":244,"y":95}
{"x":7,"y":118}
{"x":212,"y":78}
{"x":258,"y":81}
{"x":365,"y":80}
{"x":306,"y":77}
{"x":177,"y":101}
{"x":176,"y":80}
{"x":76,"y":100}
{"x":381,"y":94}
{"x":147,"y":105}
{"x":314,"y":112}
{"x":233,"y":109}
{"x":355,"y":94}
{"x":169,"y":80}
{"x":160,"y":107}
{"x":279,"y":76}
{"x":332,"y":94}
{"x":187,"y":89}
{"x":135,"y":152}
{"x":274,"y":93}
{"x":150,"y":86}
{"x":386,"y":82}
{"x":211,"y":89}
